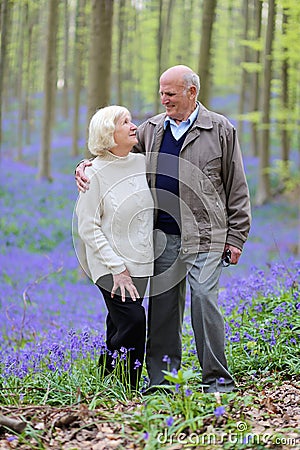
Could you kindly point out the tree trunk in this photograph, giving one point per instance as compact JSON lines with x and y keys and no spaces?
{"x":244,"y":74}
{"x":264,"y":190}
{"x":49,"y":89}
{"x":256,"y":77}
{"x":121,"y":32}
{"x":77,"y":64}
{"x":204,"y":68}
{"x":100,"y":56}
{"x":30,"y":75}
{"x":4,"y":22}
{"x":163,"y":41}
{"x":167,"y":29}
{"x":23,"y":25}
{"x":185,"y":50}
{"x":65,"y":103}
{"x":159,"y":52}
{"x":285,"y":138}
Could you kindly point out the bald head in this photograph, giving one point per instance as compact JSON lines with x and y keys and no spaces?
{"x":181,"y":74}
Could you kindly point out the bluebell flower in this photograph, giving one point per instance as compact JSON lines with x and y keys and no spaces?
{"x":137,"y":364}
{"x":169,"y":421}
{"x":188,"y":392}
{"x":166,"y":359}
{"x":219,"y":411}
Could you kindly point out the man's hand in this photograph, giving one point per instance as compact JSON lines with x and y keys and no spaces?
{"x":124,"y":282}
{"x":81,"y":180}
{"x":235,"y":253}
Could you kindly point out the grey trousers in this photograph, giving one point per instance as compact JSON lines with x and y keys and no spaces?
{"x":166,"y":309}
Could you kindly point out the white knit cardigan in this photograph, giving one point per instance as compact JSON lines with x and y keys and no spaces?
{"x":115,"y":217}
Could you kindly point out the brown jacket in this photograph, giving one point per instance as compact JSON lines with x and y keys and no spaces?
{"x":214,"y":195}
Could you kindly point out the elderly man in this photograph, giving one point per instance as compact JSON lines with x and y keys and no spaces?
{"x":195,"y":171}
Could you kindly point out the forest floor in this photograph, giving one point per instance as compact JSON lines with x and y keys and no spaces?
{"x":271,"y":421}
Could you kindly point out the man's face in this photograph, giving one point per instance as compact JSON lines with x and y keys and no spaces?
{"x":175,"y":98}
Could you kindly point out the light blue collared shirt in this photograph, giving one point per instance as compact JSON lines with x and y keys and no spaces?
{"x":179,"y":130}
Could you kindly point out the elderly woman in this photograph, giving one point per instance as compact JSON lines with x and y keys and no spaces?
{"x":115,"y":221}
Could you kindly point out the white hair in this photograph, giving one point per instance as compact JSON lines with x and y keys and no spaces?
{"x":102,"y":127}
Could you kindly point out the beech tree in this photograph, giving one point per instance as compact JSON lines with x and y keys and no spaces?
{"x":49,"y":90}
{"x":78,"y":57}
{"x":5,"y":9}
{"x":204,"y":66}
{"x":255,"y":89}
{"x":100,"y":55}
{"x":264,"y":190}
{"x":163,"y":38}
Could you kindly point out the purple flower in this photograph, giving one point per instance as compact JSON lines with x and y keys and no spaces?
{"x":272,"y":339}
{"x":235,"y":337}
{"x":137,"y":364}
{"x":166,"y":359}
{"x":188,"y":392}
{"x":219,"y":411}
{"x":169,"y":421}
{"x":146,"y":435}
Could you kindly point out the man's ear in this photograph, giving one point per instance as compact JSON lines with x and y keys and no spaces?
{"x":193,"y":91}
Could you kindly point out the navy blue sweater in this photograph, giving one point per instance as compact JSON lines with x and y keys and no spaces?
{"x":167,"y":184}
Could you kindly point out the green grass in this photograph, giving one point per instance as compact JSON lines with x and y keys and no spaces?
{"x":187,"y":415}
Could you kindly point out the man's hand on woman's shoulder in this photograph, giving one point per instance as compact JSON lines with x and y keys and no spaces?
{"x":82,"y":181}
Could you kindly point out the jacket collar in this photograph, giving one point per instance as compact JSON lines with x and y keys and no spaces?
{"x":203,"y":120}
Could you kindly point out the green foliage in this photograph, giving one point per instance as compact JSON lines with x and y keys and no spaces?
{"x":261,"y":347}
{"x":286,"y":175}
{"x":253,"y":116}
{"x":252,"y":67}
{"x":256,"y":45}
{"x":156,"y":420}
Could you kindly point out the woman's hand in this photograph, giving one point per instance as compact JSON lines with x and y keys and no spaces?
{"x":81,"y":180}
{"x":124,"y":282}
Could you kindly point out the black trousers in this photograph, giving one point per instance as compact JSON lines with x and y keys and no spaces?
{"x":125,"y":327}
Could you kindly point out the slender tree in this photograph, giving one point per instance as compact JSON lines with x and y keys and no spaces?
{"x":100,"y":55}
{"x":285,"y":135}
{"x":204,"y":66}
{"x":163,"y":38}
{"x":65,"y":65}
{"x":44,"y":170}
{"x":244,"y":73}
{"x":264,"y":190}
{"x":78,"y":58}
{"x":121,"y":32}
{"x":5,"y":10}
{"x":255,"y":91}
{"x":23,"y":19}
{"x":160,"y":31}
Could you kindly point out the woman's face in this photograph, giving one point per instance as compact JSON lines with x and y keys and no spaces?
{"x":125,"y":134}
